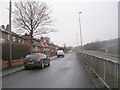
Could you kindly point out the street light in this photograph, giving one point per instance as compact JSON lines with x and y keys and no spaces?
{"x":80,"y":32}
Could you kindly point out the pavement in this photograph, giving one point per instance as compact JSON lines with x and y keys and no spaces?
{"x":66,"y":72}
{"x":18,"y":68}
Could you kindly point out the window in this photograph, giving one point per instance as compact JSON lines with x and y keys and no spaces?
{"x":22,"y":41}
{"x":36,"y":48}
{"x":14,"y":38}
{"x":19,"y":40}
{"x":52,"y":50}
{"x":42,"y":56}
{"x":8,"y":36}
{"x":2,"y":40}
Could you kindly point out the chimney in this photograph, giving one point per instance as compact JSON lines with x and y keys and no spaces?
{"x":2,"y":26}
{"x":7,"y":27}
{"x":26,"y":34}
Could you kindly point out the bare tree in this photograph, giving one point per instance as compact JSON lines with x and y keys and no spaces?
{"x":33,"y":18}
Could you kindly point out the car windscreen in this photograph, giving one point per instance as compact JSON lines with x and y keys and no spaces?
{"x":31,"y":56}
{"x":60,"y":51}
{"x":42,"y":56}
{"x":34,"y":56}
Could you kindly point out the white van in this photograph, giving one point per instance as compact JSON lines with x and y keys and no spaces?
{"x":60,"y":53}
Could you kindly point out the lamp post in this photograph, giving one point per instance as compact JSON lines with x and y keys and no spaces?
{"x":80,"y":32}
{"x":77,"y":39}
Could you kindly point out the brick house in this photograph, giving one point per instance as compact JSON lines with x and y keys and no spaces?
{"x":39,"y":45}
{"x":15,"y":38}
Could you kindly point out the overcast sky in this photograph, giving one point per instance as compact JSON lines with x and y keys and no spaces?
{"x":99,"y":20}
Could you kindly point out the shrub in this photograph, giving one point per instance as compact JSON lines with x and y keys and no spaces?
{"x":18,"y":51}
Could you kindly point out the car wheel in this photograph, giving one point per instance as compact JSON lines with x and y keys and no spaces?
{"x":42,"y":65}
{"x":26,"y":68}
{"x":49,"y":64}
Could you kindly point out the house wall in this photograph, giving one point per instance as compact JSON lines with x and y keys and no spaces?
{"x":5,"y":37}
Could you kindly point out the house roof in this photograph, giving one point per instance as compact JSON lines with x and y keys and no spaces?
{"x":27,"y":37}
{"x":6,"y":31}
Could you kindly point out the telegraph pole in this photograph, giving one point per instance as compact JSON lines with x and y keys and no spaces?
{"x":10,"y":43}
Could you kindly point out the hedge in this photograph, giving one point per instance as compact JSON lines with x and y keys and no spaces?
{"x":18,"y":51}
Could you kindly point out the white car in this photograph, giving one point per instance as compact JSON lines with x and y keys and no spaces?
{"x":60,"y":53}
{"x":70,"y":51}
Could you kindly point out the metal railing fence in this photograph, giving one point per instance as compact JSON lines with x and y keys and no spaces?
{"x":106,"y":70}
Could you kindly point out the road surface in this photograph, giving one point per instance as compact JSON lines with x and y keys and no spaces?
{"x":67,"y":72}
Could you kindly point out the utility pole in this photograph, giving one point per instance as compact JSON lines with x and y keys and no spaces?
{"x":80,"y":32}
{"x":10,"y":44}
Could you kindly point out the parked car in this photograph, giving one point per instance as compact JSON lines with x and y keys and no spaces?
{"x":60,"y":53}
{"x":36,"y":60}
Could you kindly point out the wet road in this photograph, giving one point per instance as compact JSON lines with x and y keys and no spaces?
{"x":67,"y":72}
